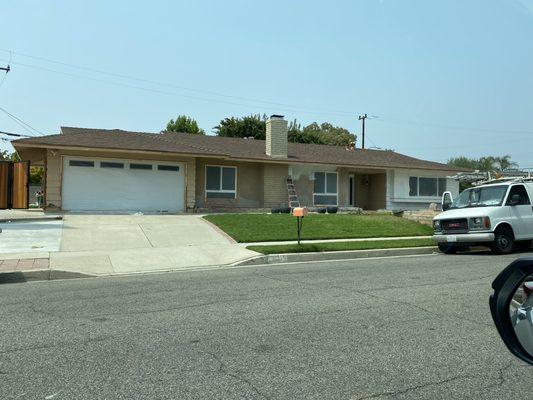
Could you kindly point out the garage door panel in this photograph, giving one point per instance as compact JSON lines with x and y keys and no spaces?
{"x":122,"y":189}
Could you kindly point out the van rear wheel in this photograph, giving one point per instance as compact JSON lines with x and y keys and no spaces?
{"x":503,"y":241}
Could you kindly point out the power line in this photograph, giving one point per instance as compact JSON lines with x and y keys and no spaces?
{"x":165,"y":92}
{"x":165,"y":84}
{"x":21,"y":123}
{"x":6,"y":69}
{"x":448,"y":127}
{"x":14,"y":134}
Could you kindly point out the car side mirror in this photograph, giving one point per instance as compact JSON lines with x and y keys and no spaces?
{"x":515,"y":200}
{"x":447,"y":200}
{"x":511,"y":307}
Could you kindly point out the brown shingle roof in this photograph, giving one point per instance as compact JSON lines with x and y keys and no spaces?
{"x":216,"y":146}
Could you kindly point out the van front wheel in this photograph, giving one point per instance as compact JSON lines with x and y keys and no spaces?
{"x":448,"y":248}
{"x":503,"y":241}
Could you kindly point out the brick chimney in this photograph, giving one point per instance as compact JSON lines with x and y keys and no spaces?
{"x":276,"y":136}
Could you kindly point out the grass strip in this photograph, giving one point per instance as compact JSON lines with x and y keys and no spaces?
{"x":341,"y":246}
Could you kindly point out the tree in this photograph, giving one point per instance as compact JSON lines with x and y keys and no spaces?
{"x":252,"y":126}
{"x":185,"y":124}
{"x":255,"y":126}
{"x":505,"y":163}
{"x":487,"y":163}
{"x":7,"y":156}
{"x":326,"y":133}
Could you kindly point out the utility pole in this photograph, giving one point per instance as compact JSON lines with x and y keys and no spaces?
{"x":362,"y":118}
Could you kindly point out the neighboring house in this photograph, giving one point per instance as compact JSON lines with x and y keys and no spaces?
{"x":115,"y":170}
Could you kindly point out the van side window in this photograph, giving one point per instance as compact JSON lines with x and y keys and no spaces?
{"x":520,"y":190}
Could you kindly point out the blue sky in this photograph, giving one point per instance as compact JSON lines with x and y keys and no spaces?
{"x":444,"y":78}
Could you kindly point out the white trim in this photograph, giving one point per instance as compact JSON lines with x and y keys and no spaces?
{"x":326,"y":187}
{"x":220,"y":190}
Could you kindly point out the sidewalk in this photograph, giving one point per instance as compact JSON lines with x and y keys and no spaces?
{"x":332,"y":240}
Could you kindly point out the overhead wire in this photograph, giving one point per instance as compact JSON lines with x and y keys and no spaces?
{"x":21,"y":123}
{"x":6,"y":72}
{"x":165,"y":84}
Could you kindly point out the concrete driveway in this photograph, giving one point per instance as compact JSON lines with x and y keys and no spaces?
{"x":114,"y":244}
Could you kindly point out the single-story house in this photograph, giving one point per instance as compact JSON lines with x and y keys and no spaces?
{"x":116,"y":170}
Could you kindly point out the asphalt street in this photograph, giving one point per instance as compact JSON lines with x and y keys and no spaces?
{"x":402,"y":328}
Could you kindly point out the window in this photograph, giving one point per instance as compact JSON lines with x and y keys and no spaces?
{"x":522,"y":192}
{"x":105,"y":164}
{"x":220,"y":182}
{"x":174,"y":168}
{"x":140,"y":166}
{"x":79,"y":163}
{"x":325,"y":190}
{"x":426,"y":187}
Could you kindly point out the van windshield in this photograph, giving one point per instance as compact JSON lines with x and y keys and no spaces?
{"x":481,"y":197}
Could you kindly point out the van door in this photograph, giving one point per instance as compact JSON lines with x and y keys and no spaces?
{"x":521,"y":212}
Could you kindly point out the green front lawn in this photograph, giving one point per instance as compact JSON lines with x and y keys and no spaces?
{"x":276,"y":227}
{"x":341,"y":246}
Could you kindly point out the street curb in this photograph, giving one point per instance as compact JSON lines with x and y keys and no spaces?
{"x":40,"y":275}
{"x":34,"y":219}
{"x":336,"y":255}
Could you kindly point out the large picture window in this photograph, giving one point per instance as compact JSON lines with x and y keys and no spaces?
{"x":220,"y":182}
{"x":426,"y":187}
{"x":325,"y":190}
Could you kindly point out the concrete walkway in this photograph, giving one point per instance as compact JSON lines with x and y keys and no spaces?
{"x":332,"y":240}
{"x":118,"y":244}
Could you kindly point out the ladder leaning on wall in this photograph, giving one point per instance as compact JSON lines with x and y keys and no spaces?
{"x":294,"y":200}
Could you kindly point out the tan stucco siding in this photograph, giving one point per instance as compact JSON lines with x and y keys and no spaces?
{"x":249,"y":191}
{"x":275,"y":185}
{"x":54,"y":166}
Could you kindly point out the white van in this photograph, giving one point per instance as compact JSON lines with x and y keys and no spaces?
{"x":496,"y":214}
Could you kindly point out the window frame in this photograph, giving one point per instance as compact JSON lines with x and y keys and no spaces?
{"x":508,"y":200}
{"x":81,"y":163}
{"x":438,"y":180}
{"x":168,"y":168}
{"x":221,"y":167}
{"x":112,"y":165}
{"x":326,"y":193}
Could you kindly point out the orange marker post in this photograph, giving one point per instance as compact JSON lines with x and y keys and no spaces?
{"x":299,"y":213}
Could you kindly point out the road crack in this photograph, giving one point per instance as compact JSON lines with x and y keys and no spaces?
{"x":222,"y":368}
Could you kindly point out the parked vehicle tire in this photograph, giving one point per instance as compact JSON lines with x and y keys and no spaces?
{"x":523,"y":245}
{"x":503,"y":241}
{"x":332,"y":210}
{"x":447,"y":248}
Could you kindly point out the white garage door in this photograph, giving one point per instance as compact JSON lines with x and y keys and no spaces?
{"x":91,"y":184}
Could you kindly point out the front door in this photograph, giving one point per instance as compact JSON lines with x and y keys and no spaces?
{"x":351,"y":191}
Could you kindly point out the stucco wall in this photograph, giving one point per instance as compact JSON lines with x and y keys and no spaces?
{"x":398,"y":189}
{"x":249,"y":185}
{"x":54,"y":166}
